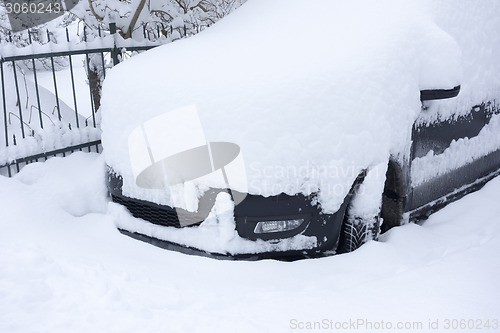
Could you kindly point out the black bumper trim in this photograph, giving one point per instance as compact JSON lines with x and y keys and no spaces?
{"x":325,"y":227}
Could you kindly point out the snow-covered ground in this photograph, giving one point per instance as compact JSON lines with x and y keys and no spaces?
{"x":65,"y":268}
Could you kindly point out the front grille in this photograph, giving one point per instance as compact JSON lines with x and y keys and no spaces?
{"x":157,"y":214}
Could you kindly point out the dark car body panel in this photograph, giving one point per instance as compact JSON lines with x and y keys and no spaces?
{"x":457,"y":182}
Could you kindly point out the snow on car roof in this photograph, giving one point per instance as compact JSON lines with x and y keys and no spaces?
{"x":312,"y":91}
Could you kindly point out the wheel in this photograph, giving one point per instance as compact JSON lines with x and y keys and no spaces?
{"x":356,"y":231}
{"x":361,"y":221}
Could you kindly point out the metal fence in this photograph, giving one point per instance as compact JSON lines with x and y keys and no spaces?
{"x":37,"y":123}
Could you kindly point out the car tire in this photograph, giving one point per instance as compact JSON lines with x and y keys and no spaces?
{"x":357,"y":230}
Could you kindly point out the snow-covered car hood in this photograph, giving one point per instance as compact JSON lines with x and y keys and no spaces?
{"x":311,"y":91}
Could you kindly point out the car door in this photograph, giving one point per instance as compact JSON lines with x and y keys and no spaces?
{"x":446,"y":155}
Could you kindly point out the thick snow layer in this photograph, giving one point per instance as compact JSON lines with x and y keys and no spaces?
{"x":49,"y":139}
{"x":472,"y":25}
{"x":312,"y":97}
{"x":460,"y":153}
{"x":367,"y":201}
{"x":65,"y":268}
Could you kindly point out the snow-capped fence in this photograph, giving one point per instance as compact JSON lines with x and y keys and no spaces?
{"x":37,"y":121}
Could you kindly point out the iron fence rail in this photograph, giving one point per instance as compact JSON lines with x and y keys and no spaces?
{"x":65,"y":119}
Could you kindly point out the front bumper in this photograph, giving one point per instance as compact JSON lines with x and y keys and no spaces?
{"x":252,"y":210}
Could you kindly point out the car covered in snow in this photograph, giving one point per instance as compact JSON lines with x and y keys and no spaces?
{"x":296,"y":126}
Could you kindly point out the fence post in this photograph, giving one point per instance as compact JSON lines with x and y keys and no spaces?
{"x":4,"y":104}
{"x":114,"y":52}
{"x":36,"y":84}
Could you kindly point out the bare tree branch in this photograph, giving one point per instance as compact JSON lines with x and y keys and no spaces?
{"x":92,"y":10}
{"x":135,"y":18}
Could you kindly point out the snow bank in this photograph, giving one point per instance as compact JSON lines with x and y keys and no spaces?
{"x":65,"y":268}
{"x":312,"y":97}
{"x":73,"y":185}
